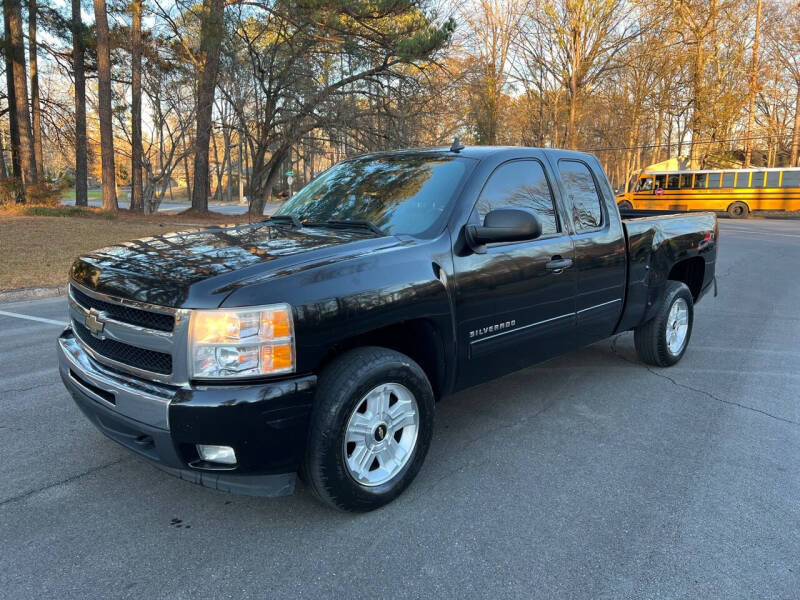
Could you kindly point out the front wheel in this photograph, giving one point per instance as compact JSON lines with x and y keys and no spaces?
{"x":738,"y":210}
{"x":371,"y":427}
{"x":625,"y":205}
{"x":662,"y":341}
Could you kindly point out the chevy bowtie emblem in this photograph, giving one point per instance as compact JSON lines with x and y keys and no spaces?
{"x":94,"y":323}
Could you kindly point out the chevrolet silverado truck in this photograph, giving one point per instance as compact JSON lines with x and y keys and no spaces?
{"x":318,"y":340}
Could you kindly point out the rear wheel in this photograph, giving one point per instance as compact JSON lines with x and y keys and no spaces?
{"x":371,"y":428}
{"x":738,"y":210}
{"x":662,"y":341}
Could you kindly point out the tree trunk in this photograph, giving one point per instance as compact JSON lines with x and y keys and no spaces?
{"x":16,"y":49}
{"x":263,"y":179}
{"x":748,"y":148}
{"x":78,"y":67}
{"x":137,"y":199}
{"x":12,"y":107}
{"x":796,"y":132}
{"x":104,"y":106}
{"x":3,"y":167}
{"x":36,"y":111}
{"x":211,"y":33}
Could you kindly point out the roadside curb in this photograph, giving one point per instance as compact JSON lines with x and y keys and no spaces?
{"x":32,"y":293}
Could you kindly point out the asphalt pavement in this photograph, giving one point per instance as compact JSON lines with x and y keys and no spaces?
{"x":591,"y":476}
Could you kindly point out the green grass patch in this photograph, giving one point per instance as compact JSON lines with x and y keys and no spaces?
{"x":65,"y":211}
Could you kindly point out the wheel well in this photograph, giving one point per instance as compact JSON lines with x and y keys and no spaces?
{"x":691,"y":272}
{"x":418,"y":339}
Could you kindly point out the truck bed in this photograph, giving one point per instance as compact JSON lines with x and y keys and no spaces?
{"x":656,"y":243}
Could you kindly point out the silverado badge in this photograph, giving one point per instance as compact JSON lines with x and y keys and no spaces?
{"x":94,"y":323}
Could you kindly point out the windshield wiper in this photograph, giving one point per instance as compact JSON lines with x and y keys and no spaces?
{"x":356,"y":223}
{"x":287,"y":220}
{"x":347,"y":224}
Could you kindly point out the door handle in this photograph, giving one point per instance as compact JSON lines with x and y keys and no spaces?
{"x":558,"y":264}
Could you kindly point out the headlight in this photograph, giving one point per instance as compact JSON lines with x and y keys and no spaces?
{"x":248,"y":342}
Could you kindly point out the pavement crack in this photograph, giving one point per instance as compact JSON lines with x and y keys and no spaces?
{"x":698,"y":390}
{"x":75,"y":477}
{"x":27,"y":389}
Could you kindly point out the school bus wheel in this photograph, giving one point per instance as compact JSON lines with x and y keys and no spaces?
{"x":738,"y":210}
{"x":625,"y":205}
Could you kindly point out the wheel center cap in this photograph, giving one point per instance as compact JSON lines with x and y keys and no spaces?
{"x":380,"y":432}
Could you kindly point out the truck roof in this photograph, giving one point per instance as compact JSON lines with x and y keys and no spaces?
{"x":478,"y":152}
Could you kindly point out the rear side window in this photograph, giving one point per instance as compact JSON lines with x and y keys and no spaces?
{"x":700,"y":180}
{"x":742,"y":180}
{"x":583,"y":195}
{"x":772,"y":178}
{"x":727,"y":179}
{"x":791,"y":179}
{"x":758,"y":179}
{"x":520,"y":184}
{"x":714,"y":179}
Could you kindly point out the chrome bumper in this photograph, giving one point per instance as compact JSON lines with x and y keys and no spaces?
{"x":132,"y":398}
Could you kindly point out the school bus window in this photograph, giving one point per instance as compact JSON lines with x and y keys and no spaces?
{"x":644,"y":185}
{"x":791,"y":179}
{"x":758,"y":179}
{"x":686,"y":180}
{"x":713,"y":180}
{"x":672,"y":182}
{"x":773,"y":178}
{"x":661,"y":180}
{"x":743,"y":180}
{"x":727,"y":179}
{"x":700,"y":180}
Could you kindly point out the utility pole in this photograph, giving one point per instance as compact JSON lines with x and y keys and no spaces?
{"x":748,"y":151}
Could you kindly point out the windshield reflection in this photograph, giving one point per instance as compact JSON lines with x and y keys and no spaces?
{"x":406,"y":194}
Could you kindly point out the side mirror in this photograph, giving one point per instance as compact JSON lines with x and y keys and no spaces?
{"x":504,"y":225}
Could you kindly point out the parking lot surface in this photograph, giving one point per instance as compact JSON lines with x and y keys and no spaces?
{"x":592,"y":475}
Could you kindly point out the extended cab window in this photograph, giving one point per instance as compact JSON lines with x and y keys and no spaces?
{"x":582,"y":193}
{"x":520,"y":184}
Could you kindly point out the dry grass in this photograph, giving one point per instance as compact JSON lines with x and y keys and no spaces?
{"x":38,"y":250}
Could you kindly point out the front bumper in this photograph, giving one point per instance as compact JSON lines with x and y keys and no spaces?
{"x":265,"y":423}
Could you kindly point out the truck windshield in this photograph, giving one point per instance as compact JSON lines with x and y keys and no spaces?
{"x":403,"y":194}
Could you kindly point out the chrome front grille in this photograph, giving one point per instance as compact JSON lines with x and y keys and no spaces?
{"x":125,"y":314}
{"x":134,"y":337}
{"x":146,"y":360}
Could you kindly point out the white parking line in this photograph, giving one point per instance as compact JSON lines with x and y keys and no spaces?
{"x":30,"y":318}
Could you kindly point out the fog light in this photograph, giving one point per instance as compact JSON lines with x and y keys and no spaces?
{"x":223,"y":455}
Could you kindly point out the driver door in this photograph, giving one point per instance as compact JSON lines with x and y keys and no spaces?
{"x":513,"y":309}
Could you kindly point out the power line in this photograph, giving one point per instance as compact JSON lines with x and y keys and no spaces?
{"x":670,"y":144}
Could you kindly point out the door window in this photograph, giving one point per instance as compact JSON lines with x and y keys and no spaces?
{"x":520,"y":184}
{"x":583,"y":195}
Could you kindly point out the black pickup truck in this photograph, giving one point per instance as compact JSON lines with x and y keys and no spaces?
{"x":317,"y":341}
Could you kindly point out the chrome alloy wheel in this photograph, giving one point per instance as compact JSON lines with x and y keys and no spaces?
{"x":381,"y":434}
{"x":677,"y":326}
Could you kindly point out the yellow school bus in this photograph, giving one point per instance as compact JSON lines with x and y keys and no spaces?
{"x":737,"y":191}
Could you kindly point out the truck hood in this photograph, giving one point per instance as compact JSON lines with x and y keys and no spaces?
{"x":199,"y":268}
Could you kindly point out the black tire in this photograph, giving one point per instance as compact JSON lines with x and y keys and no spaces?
{"x":738,"y":210}
{"x":625,"y":205}
{"x":651,"y":337}
{"x":342,"y":386}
